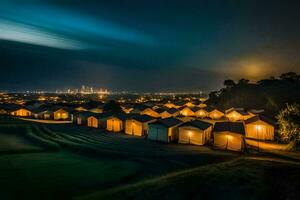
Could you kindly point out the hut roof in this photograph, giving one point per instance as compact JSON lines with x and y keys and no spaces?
{"x":143,"y":118}
{"x":168,"y":122}
{"x":198,"y":124}
{"x":235,"y":127}
{"x":262,"y":118}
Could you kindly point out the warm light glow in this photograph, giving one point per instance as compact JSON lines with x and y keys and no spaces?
{"x":190,"y":133}
{"x":258,"y":127}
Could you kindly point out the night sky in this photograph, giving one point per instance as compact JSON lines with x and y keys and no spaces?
{"x":145,"y":45}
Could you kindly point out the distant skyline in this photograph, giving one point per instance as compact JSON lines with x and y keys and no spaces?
{"x":145,"y":46}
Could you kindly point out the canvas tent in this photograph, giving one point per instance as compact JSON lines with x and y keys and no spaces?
{"x":214,"y":113}
{"x":239,"y":114}
{"x":195,"y":132}
{"x":92,"y":121}
{"x":21,"y":112}
{"x":150,"y":112}
{"x":115,"y":123}
{"x":60,"y":114}
{"x":229,"y":136}
{"x":260,"y":127}
{"x":138,"y":125}
{"x":187,"y":111}
{"x":164,"y":130}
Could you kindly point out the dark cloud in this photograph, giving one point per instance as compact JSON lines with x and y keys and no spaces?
{"x":145,"y":45}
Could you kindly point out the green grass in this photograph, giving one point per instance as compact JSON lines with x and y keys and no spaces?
{"x":47,"y":161}
{"x":59,"y":175}
{"x":238,"y":179}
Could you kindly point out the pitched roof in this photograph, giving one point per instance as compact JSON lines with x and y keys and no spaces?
{"x":209,"y":109}
{"x":262,"y":118}
{"x":168,"y":122}
{"x":172,"y":110}
{"x":143,"y":118}
{"x":235,"y":127}
{"x":160,"y":110}
{"x":197,"y":123}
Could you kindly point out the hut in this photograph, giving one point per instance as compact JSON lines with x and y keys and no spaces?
{"x":214,"y":113}
{"x":195,"y":132}
{"x":115,"y":123}
{"x":201,"y":113}
{"x":187,"y":111}
{"x":96,"y":110}
{"x":138,"y":125}
{"x":260,"y":127}
{"x":80,"y":108}
{"x":164,"y":130}
{"x":93,"y":121}
{"x":189,"y":104}
{"x":80,"y":118}
{"x":237,"y":114}
{"x":150,"y":112}
{"x":60,"y":114}
{"x":229,"y":136}
{"x":21,"y":112}
{"x":171,"y":105}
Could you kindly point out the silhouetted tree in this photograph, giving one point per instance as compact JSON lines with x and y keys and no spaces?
{"x":243,"y":81}
{"x":229,"y":83}
{"x":291,"y":76}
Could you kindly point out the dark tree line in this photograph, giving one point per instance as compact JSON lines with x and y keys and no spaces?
{"x":270,"y":94}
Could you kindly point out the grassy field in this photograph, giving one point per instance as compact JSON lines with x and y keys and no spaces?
{"x":50,"y":161}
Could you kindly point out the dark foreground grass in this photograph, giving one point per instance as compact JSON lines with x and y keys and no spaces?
{"x":80,"y":162}
{"x":58,"y":175}
{"x":238,"y":179}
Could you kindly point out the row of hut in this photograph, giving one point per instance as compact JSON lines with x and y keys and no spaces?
{"x":168,"y":123}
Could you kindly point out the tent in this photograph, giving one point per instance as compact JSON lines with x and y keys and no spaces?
{"x":115,"y":123}
{"x":150,"y":112}
{"x":60,"y":114}
{"x":92,"y":121}
{"x":186,"y":111}
{"x":214,"y":113}
{"x":239,"y":114}
{"x":164,"y":130}
{"x":195,"y":132}
{"x":80,"y":118}
{"x":229,"y":136}
{"x":202,"y":113}
{"x":138,"y":125}
{"x":21,"y":112}
{"x":260,"y":127}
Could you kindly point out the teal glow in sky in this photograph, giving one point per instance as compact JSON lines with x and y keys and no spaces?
{"x":145,"y":45}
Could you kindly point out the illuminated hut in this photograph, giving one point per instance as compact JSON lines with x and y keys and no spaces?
{"x":92,"y":121}
{"x":171,"y":105}
{"x":80,"y":108}
{"x":229,"y":135}
{"x":96,"y":110}
{"x":260,"y":127}
{"x":60,"y":114}
{"x":80,"y":118}
{"x":214,"y":113}
{"x":164,"y":130}
{"x":187,"y":111}
{"x":190,"y":104}
{"x":150,"y":112}
{"x":195,"y":132}
{"x":201,"y":113}
{"x":237,"y":114}
{"x":138,"y":125}
{"x":21,"y":112}
{"x":115,"y":123}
